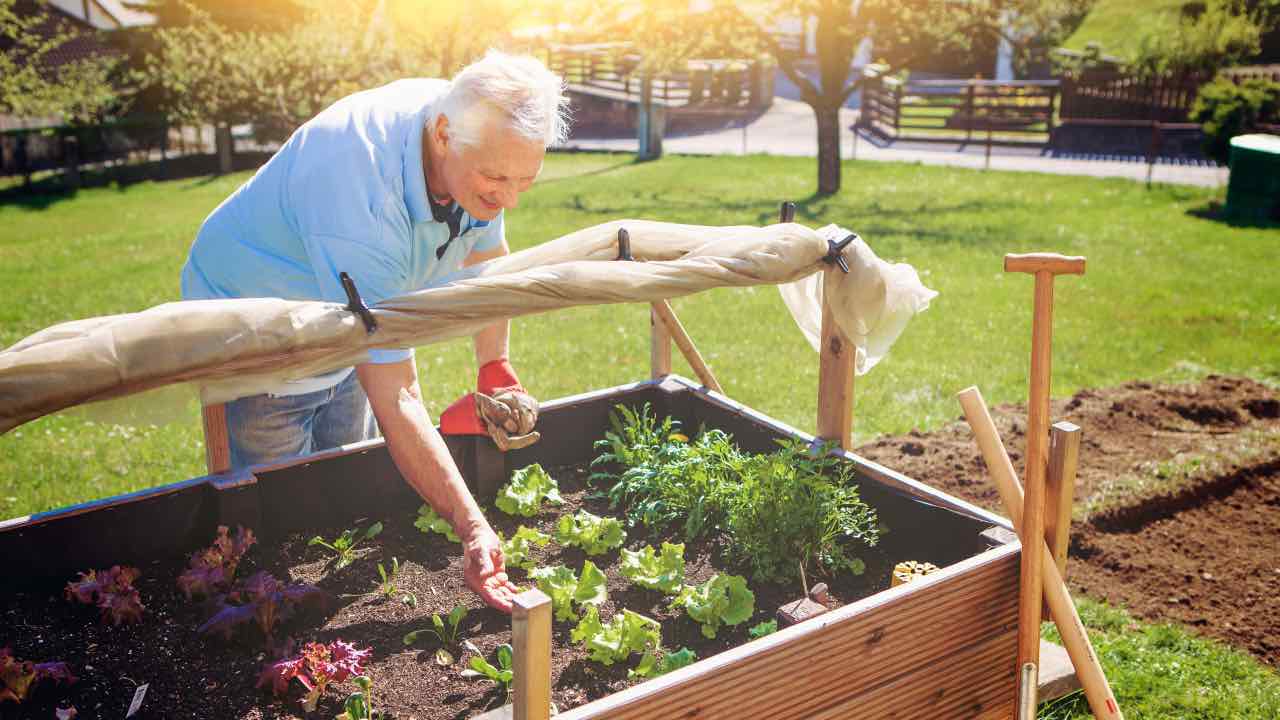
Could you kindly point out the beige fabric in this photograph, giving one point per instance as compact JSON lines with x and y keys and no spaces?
{"x":236,"y":348}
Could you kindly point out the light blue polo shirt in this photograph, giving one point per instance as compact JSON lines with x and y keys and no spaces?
{"x":346,"y":193}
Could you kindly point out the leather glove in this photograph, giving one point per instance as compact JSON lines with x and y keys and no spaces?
{"x":500,"y":408}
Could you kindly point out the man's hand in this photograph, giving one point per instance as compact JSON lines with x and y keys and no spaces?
{"x":485,"y":570}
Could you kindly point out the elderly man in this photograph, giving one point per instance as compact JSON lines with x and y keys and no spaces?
{"x":396,"y":186}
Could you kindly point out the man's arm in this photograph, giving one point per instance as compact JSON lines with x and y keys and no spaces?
{"x":423,"y":459}
{"x":492,"y":342}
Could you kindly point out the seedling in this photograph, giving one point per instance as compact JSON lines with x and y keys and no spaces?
{"x":263,"y":600}
{"x":651,"y":667}
{"x":343,"y":547}
{"x":650,"y":570}
{"x":768,"y":627}
{"x":626,"y":633}
{"x":446,"y":630}
{"x":430,"y":521}
{"x":388,"y":587}
{"x":112,"y":591}
{"x":517,"y":550}
{"x":359,"y":704}
{"x":500,"y":675}
{"x":592,"y":533}
{"x":529,"y":486}
{"x":213,"y":568}
{"x":722,"y":600}
{"x":565,"y":588}
{"x":17,"y":677}
{"x":315,"y":667}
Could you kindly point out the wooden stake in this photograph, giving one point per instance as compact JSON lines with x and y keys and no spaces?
{"x":1060,"y":485}
{"x":531,"y":648}
{"x":659,"y":346}
{"x":835,"y":379}
{"x":217,"y":443}
{"x":662,"y":310}
{"x":1074,"y":637}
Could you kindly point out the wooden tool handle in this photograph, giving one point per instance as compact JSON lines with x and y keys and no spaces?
{"x":1052,"y":263}
{"x":1096,"y":689}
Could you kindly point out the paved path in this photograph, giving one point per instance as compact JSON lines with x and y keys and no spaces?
{"x":789,"y":128}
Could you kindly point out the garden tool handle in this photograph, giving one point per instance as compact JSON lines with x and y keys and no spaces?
{"x":1052,"y":263}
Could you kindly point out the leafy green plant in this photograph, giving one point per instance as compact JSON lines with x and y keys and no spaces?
{"x":110,"y":590}
{"x":344,"y":546}
{"x":429,"y":521}
{"x":627,"y":632}
{"x":791,"y":508}
{"x":359,"y":704}
{"x":651,"y":666}
{"x":516,"y":550}
{"x":316,"y":666}
{"x":647,"y":569}
{"x":768,"y":627}
{"x":445,"y":629}
{"x":213,"y":568}
{"x":633,"y":441}
{"x":1226,"y":109}
{"x":565,"y":588}
{"x":500,"y":674}
{"x":722,"y":600}
{"x":592,"y":533}
{"x":388,"y":587}
{"x":529,"y":487}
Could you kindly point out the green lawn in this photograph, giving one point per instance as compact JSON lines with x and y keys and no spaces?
{"x":1168,"y":295}
{"x":1118,"y":25}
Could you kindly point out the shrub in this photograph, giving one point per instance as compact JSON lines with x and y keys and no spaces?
{"x":1225,"y":110}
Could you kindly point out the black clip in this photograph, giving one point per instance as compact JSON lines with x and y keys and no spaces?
{"x":624,"y":245}
{"x":355,"y":304}
{"x":834,"y":250}
{"x":787,"y":213}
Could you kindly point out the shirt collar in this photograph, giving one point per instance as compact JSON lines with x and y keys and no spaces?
{"x":415,"y":178}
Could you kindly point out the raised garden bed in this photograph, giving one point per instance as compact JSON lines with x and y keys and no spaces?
{"x":941,"y":647}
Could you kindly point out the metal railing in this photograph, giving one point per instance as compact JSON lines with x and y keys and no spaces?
{"x":1017,"y":112}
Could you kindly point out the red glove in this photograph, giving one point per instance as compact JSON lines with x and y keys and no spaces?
{"x":461,"y":418}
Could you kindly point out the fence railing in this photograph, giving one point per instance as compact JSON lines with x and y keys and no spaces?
{"x":1017,"y":112}
{"x":1113,"y":95}
{"x":26,"y":151}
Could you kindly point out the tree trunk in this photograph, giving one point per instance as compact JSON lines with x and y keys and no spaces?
{"x":828,"y":149}
{"x":225,"y":147}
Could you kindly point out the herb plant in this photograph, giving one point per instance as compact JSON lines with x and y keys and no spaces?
{"x":263,"y":600}
{"x":17,"y":677}
{"x":445,"y":629}
{"x":565,"y":588}
{"x":500,"y":674}
{"x":592,"y":533}
{"x":388,"y":587}
{"x":649,"y":570}
{"x":768,"y":627}
{"x":212,"y":569}
{"x":635,"y":438}
{"x":429,"y":521}
{"x":627,"y":632}
{"x":722,"y":600}
{"x":359,"y":704}
{"x":112,"y":591}
{"x":651,"y":666}
{"x":516,"y":550}
{"x":528,"y":488}
{"x":343,"y":547}
{"x":316,"y":666}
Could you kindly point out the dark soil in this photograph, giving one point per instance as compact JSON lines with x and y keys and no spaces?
{"x":193,"y":676}
{"x":1206,"y":555}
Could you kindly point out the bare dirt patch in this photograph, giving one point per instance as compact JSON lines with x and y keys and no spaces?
{"x":1177,"y":499}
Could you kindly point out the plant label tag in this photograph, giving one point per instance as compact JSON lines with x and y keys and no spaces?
{"x":138,"y":694}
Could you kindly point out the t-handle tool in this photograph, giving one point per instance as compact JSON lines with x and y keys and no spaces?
{"x":1044,"y":266}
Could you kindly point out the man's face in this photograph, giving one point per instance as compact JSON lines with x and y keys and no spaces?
{"x":489,"y":176}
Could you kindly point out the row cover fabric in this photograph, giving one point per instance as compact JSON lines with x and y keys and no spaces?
{"x":237,"y":348}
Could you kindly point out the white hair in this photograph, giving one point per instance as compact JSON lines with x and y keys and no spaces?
{"x":518,"y":89}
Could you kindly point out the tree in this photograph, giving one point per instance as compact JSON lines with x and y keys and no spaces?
{"x":1206,"y":37}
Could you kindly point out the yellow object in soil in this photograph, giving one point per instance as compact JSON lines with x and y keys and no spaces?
{"x":905,"y":572}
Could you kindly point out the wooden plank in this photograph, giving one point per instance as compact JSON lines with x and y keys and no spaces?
{"x":1060,"y":483}
{"x":531,"y":641}
{"x":217,"y":442}
{"x":662,"y":310}
{"x":659,"y":347}
{"x":835,"y":380}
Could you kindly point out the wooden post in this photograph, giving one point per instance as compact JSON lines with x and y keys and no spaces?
{"x":531,"y":648}
{"x":835,"y":379}
{"x":659,"y":346}
{"x":968,"y":108}
{"x":217,"y":444}
{"x":1064,"y":453}
{"x":667,"y":317}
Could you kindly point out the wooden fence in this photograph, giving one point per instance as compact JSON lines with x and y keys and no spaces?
{"x":1114,"y":95}
{"x":1018,"y":112}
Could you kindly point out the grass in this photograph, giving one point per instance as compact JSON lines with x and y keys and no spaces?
{"x":1112,"y":24}
{"x":1162,"y":671}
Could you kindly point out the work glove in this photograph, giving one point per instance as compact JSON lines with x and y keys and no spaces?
{"x":500,"y":408}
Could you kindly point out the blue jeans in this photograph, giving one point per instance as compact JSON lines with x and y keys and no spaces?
{"x":263,"y":428}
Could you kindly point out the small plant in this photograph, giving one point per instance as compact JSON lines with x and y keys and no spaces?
{"x":722,"y":600}
{"x":565,"y":588}
{"x":388,"y":588}
{"x":445,"y":629}
{"x":649,"y":570}
{"x":262,"y":599}
{"x":17,"y":677}
{"x":635,"y":438}
{"x":316,"y":666}
{"x":516,"y":550}
{"x":213,"y":568}
{"x":343,"y":547}
{"x":768,"y":627}
{"x":627,"y":632}
{"x":359,"y":704}
{"x":651,"y":666}
{"x":500,"y":674}
{"x":592,"y":533}
{"x":112,"y":591}
{"x":529,"y":486}
{"x":429,"y":521}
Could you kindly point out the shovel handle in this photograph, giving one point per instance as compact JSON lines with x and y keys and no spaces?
{"x":1052,"y":263}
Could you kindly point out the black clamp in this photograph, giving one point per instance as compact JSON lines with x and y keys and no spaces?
{"x":834,"y":256}
{"x":355,"y":304}
{"x":624,"y":245}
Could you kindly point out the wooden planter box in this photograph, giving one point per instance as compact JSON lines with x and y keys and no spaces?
{"x":941,"y":647}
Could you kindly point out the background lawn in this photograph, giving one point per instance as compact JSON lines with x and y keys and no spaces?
{"x":1169,"y":295}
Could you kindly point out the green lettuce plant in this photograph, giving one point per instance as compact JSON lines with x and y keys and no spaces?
{"x":516,"y":551}
{"x":528,"y":488}
{"x":627,"y":632}
{"x":430,"y":521}
{"x":651,"y":666}
{"x":592,"y":533}
{"x":650,"y":570}
{"x":565,"y":588}
{"x":722,"y":600}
